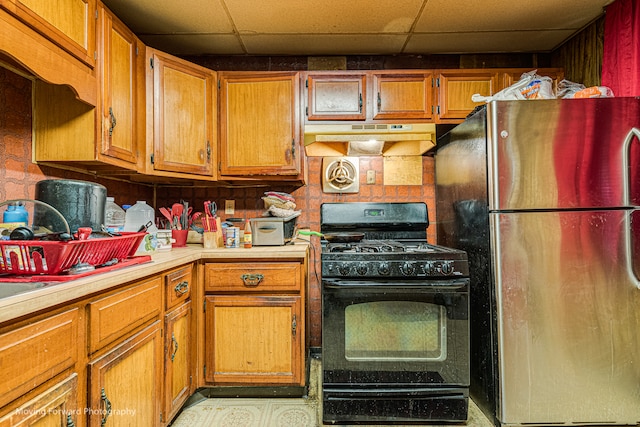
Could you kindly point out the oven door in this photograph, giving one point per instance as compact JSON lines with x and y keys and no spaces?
{"x":395,"y":335}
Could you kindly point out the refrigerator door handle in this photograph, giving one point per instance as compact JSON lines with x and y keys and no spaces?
{"x":634,"y":132}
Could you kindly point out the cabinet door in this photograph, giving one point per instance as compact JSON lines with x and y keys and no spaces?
{"x":254,"y":340}
{"x":55,"y":407}
{"x":336,"y":96}
{"x":68,"y":23}
{"x":455,"y":89}
{"x":125,"y":383}
{"x":259,"y":124}
{"x":118,"y":72}
{"x":183,"y":116}
{"x":402,"y":96}
{"x":177,"y":359}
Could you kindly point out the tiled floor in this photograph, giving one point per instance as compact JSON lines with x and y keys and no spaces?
{"x":277,"y":412}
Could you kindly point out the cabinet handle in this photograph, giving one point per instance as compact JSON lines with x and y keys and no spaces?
{"x":174,"y":343}
{"x":379,"y":102}
{"x":252,"y":280}
{"x":182,"y":288}
{"x":107,"y":407}
{"x":112,"y":117}
{"x":294,"y":326}
{"x":360,"y":103}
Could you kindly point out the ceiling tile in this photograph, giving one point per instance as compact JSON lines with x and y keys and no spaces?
{"x":488,"y":42}
{"x":490,"y":15}
{"x":323,"y":17}
{"x":170,"y":16}
{"x":352,"y":44}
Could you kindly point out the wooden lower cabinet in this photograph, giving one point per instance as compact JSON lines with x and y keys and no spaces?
{"x":125,"y":384}
{"x":256,"y":340}
{"x":177,"y":359}
{"x":55,"y":407}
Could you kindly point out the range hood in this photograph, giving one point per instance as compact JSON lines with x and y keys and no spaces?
{"x":364,"y":139}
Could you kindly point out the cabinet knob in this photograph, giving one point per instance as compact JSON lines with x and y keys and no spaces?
{"x":252,"y":280}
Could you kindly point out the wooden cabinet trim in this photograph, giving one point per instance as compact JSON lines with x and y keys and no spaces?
{"x":38,"y":351}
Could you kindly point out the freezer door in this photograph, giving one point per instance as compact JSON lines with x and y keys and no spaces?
{"x":568,"y":308}
{"x":563,"y":154}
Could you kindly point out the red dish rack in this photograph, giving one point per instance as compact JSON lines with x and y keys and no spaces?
{"x":32,"y":257}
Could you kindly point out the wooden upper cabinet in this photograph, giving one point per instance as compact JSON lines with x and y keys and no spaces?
{"x":402,"y":95}
{"x":69,"y":24}
{"x":455,"y":88}
{"x":336,"y":96}
{"x":121,"y":116}
{"x":259,"y":124}
{"x":183,"y":111}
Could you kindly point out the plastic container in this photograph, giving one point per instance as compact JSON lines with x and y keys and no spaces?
{"x":16,"y":212}
{"x":113,"y":216}
{"x":138,"y":216}
{"x":142,"y":215}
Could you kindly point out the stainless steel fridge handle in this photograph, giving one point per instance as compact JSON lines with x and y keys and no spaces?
{"x":634,"y":132}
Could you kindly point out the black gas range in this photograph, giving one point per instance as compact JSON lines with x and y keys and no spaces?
{"x":395,"y":326}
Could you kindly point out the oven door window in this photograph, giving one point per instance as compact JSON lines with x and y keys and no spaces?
{"x":395,"y":331}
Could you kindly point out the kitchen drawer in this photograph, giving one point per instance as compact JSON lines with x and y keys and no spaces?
{"x":114,"y":316}
{"x":253,"y":277}
{"x":177,"y":286}
{"x":31,"y":355}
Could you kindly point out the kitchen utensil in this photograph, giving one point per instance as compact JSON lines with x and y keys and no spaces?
{"x":167,"y":214}
{"x":335,"y":237}
{"x":176,"y":213}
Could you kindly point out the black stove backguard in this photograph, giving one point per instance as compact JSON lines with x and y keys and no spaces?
{"x":395,"y":325}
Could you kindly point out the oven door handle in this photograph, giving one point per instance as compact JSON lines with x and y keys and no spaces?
{"x":429,"y":286}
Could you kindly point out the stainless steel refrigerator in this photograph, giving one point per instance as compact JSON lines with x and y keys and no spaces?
{"x":544,"y":196}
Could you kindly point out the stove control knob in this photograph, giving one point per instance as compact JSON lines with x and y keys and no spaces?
{"x":361,"y":268}
{"x":446,"y":268}
{"x":383,"y":269}
{"x":408,"y":269}
{"x":429,"y":268}
{"x":344,"y":269}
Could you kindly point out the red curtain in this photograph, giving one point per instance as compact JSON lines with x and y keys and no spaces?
{"x":621,"y":56}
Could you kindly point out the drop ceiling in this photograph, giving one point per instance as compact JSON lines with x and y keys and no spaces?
{"x":355,"y":27}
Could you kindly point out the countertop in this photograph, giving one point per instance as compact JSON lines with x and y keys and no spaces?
{"x":46,"y":295}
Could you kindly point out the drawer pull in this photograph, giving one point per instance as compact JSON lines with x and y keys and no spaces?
{"x":174,"y":343}
{"x":182,"y":288}
{"x":294,"y":326}
{"x":107,"y":407}
{"x":252,"y":280}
